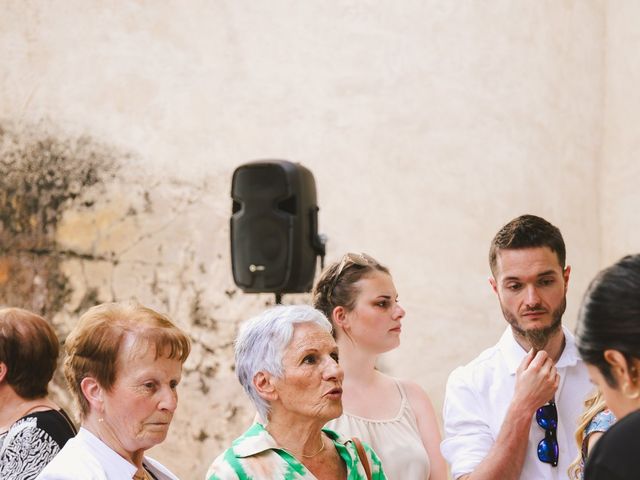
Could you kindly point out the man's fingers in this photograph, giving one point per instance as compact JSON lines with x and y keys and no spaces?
{"x":526,"y":361}
{"x":547,"y":368}
{"x":538,"y":375}
{"x":540,"y":359}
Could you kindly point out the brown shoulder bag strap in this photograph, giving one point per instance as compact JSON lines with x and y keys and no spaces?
{"x":362,"y":455}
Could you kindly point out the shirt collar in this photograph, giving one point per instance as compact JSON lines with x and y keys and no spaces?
{"x":513,"y":353}
{"x":570,"y":356}
{"x":114,"y":465}
{"x":257,"y":440}
{"x":254,"y":441}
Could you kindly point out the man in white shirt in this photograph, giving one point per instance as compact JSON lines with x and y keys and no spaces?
{"x":511,"y":413}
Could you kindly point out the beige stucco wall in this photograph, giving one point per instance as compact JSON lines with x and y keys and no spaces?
{"x":427,"y":125}
{"x":620,"y":165}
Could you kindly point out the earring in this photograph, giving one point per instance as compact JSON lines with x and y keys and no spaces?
{"x":625,"y":391}
{"x":100,"y":420}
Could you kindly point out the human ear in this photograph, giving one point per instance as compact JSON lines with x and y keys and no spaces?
{"x":565,"y":274}
{"x":494,"y":284}
{"x":3,"y":371}
{"x":339,"y":315}
{"x":625,"y":373}
{"x":263,"y":382}
{"x":621,"y":369}
{"x":93,"y":392}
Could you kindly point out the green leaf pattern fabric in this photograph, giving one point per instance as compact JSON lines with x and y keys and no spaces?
{"x":256,"y":456}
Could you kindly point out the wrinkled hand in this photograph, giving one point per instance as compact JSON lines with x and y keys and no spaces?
{"x":536,"y":380}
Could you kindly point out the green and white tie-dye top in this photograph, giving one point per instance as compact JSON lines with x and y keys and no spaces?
{"x":256,"y":456}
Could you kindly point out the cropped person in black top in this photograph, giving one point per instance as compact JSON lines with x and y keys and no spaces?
{"x":33,"y":429}
{"x":608,"y":339}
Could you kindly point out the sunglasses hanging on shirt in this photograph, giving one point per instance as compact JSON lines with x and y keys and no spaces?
{"x":547,"y":418}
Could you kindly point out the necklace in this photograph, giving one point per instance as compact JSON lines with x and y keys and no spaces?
{"x":24,"y":413}
{"x":317,"y":453}
{"x":142,"y":476}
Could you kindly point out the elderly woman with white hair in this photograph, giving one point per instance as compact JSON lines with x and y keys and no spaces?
{"x":287,"y":362}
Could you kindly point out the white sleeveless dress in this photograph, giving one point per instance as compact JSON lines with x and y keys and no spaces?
{"x":396,"y":441}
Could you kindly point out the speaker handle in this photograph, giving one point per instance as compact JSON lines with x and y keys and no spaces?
{"x":318,"y":241}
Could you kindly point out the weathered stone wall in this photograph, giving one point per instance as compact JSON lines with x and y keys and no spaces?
{"x":427,"y":125}
{"x":80,"y":226}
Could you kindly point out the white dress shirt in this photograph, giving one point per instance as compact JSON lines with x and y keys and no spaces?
{"x":86,"y":457}
{"x":479,"y":394}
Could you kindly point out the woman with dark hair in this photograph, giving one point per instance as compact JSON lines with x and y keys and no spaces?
{"x":394,"y":416}
{"x":33,"y":428}
{"x":608,"y":339}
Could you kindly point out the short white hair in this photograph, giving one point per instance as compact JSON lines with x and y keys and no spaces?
{"x":261,"y":343}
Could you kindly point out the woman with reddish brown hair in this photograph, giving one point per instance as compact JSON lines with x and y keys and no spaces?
{"x":124,"y":363}
{"x":33,"y":428}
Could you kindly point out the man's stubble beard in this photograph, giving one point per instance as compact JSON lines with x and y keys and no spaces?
{"x":537,"y":337}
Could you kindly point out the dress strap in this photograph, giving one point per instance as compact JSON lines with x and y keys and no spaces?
{"x":66,"y":417}
{"x":34,"y":407}
{"x":403,"y":394}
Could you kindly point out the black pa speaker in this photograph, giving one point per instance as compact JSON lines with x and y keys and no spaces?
{"x":274,"y":227}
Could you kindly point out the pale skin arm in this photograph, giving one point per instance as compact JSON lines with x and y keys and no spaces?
{"x":536,"y":382}
{"x":591,"y":441}
{"x":428,"y":428}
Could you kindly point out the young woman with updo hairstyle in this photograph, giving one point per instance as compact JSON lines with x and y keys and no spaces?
{"x":394,"y":416}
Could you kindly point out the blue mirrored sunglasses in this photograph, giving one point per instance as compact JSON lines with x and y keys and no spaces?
{"x":547,"y":418}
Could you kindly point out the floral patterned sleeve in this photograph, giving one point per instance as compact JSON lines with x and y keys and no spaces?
{"x":255,"y":455}
{"x":600,"y":423}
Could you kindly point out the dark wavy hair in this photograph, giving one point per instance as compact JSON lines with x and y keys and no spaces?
{"x":609,"y":316}
{"x":527,"y":231}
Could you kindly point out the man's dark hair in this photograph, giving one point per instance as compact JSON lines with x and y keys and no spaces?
{"x":527,"y":231}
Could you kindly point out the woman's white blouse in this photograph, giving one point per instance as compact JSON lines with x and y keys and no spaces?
{"x":85,"y":456}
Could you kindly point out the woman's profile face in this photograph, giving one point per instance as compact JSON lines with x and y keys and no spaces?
{"x":312,"y":382}
{"x":614,"y":398}
{"x":139,"y":407}
{"x":375,"y":322}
